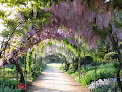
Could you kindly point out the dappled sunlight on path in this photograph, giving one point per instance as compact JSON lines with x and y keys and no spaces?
{"x":53,"y":79}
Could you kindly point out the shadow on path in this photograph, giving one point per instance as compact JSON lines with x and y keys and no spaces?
{"x":54,"y":80}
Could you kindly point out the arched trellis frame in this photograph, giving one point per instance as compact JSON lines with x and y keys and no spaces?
{"x":79,"y":22}
{"x":26,"y":42}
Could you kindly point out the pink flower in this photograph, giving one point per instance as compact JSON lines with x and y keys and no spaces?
{"x":1,"y":63}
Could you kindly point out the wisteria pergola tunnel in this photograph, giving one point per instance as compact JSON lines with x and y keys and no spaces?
{"x":73,"y":21}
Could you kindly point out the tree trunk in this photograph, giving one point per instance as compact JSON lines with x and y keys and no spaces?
{"x":19,"y":70}
{"x":73,"y":64}
{"x":118,"y":71}
{"x":65,"y":65}
{"x":114,"y":41}
{"x":118,"y":77}
{"x":76,"y":66}
{"x":107,"y":48}
{"x":68,"y":66}
{"x":79,"y":64}
{"x":116,"y":48}
{"x":40,"y":61}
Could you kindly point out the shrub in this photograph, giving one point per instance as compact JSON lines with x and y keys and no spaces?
{"x":73,"y":75}
{"x":88,"y":60}
{"x":88,"y":78}
{"x":94,"y":63}
{"x":77,"y":72}
{"x":116,"y":65}
{"x":9,"y":85}
{"x":70,"y":71}
{"x":110,"y":57}
{"x":101,"y":73}
{"x":8,"y":82}
{"x":9,"y":89}
{"x":89,"y":68}
{"x":121,"y":73}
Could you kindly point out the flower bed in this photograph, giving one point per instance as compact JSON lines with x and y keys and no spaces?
{"x":101,"y":82}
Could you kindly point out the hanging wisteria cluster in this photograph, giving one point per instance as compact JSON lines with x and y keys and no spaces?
{"x":34,"y":37}
{"x":79,"y":17}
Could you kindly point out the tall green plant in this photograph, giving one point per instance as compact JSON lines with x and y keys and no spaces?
{"x":29,"y":61}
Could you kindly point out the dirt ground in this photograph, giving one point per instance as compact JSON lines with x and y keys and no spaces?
{"x":53,"y":79}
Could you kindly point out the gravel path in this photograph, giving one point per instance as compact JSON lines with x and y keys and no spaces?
{"x":54,"y":80}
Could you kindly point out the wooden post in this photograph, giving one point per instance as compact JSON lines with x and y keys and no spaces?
{"x":25,"y":69}
{"x":73,"y":62}
{"x":17,"y":75}
{"x":79,"y":65}
{"x":78,"y":49}
{"x":35,"y":64}
{"x":95,"y":67}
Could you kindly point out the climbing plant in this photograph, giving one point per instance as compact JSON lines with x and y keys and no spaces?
{"x":89,"y":20}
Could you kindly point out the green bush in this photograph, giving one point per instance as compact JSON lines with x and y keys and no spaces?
{"x":88,"y":68}
{"x":116,"y":65}
{"x":88,"y":60}
{"x":8,"y":82}
{"x":121,"y":73}
{"x":94,"y":63}
{"x":8,"y":72}
{"x":73,"y":75}
{"x":110,"y":57}
{"x":9,"y":89}
{"x":77,"y":72}
{"x":101,"y":73}
{"x":7,"y":85}
{"x":88,"y":78}
{"x":70,"y":71}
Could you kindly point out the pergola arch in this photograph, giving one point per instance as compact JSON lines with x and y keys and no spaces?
{"x":76,"y":18}
{"x":31,"y":38}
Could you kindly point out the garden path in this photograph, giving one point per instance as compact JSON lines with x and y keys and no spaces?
{"x":52,"y":79}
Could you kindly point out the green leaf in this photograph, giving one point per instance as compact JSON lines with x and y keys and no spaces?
{"x":88,"y":2}
{"x":2,"y":14}
{"x":71,"y":0}
{"x":50,"y":4}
